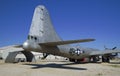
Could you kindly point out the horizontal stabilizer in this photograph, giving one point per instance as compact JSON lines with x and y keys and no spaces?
{"x":66,"y":42}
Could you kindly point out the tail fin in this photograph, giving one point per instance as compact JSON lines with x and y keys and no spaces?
{"x":41,"y":26}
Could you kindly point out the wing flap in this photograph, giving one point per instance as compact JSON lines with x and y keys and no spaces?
{"x":66,"y":42}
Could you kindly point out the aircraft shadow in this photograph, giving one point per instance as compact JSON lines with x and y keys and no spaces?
{"x":54,"y":65}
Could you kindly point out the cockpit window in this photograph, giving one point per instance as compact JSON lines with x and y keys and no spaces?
{"x":35,"y":38}
{"x":42,"y":9}
{"x":32,"y":37}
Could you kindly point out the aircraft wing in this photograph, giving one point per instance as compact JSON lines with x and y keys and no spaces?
{"x":66,"y":42}
{"x":104,"y":52}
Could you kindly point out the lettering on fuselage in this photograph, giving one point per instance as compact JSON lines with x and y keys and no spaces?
{"x":75,"y":51}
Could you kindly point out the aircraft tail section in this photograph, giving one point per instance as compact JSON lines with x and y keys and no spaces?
{"x":41,"y":26}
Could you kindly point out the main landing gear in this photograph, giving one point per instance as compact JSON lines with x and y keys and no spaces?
{"x":105,"y":59}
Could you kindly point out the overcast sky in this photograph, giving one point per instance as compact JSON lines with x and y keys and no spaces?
{"x":72,"y":19}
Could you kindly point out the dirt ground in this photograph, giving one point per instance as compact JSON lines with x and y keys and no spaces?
{"x":59,"y":68}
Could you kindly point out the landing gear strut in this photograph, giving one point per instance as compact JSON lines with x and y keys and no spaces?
{"x":71,"y":60}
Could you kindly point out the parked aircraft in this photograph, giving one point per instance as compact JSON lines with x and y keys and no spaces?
{"x":43,"y":38}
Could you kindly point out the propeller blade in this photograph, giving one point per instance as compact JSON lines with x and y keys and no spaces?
{"x":114,"y":48}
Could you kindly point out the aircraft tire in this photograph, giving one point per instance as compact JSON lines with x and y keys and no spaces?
{"x":94,"y":59}
{"x":71,"y":60}
{"x":105,"y":59}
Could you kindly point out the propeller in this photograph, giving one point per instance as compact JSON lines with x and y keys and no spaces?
{"x":113,"y":54}
{"x":105,"y":47}
{"x":110,"y":48}
{"x":114,"y":48}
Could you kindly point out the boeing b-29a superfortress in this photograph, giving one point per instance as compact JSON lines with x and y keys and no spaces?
{"x":43,"y":38}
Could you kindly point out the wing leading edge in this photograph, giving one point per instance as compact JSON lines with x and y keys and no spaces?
{"x":66,"y":42}
{"x":104,"y":52}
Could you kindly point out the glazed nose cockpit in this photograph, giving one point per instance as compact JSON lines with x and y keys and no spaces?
{"x":30,"y":43}
{"x":26,"y":45}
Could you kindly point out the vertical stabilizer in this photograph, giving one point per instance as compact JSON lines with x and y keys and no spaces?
{"x":41,"y":26}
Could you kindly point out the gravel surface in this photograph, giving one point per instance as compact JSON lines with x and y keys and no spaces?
{"x":59,"y":68}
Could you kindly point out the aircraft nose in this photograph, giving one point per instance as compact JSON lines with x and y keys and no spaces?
{"x":25,"y":45}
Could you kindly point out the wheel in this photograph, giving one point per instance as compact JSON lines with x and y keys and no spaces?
{"x":71,"y":60}
{"x":94,"y":59}
{"x":105,"y":59}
